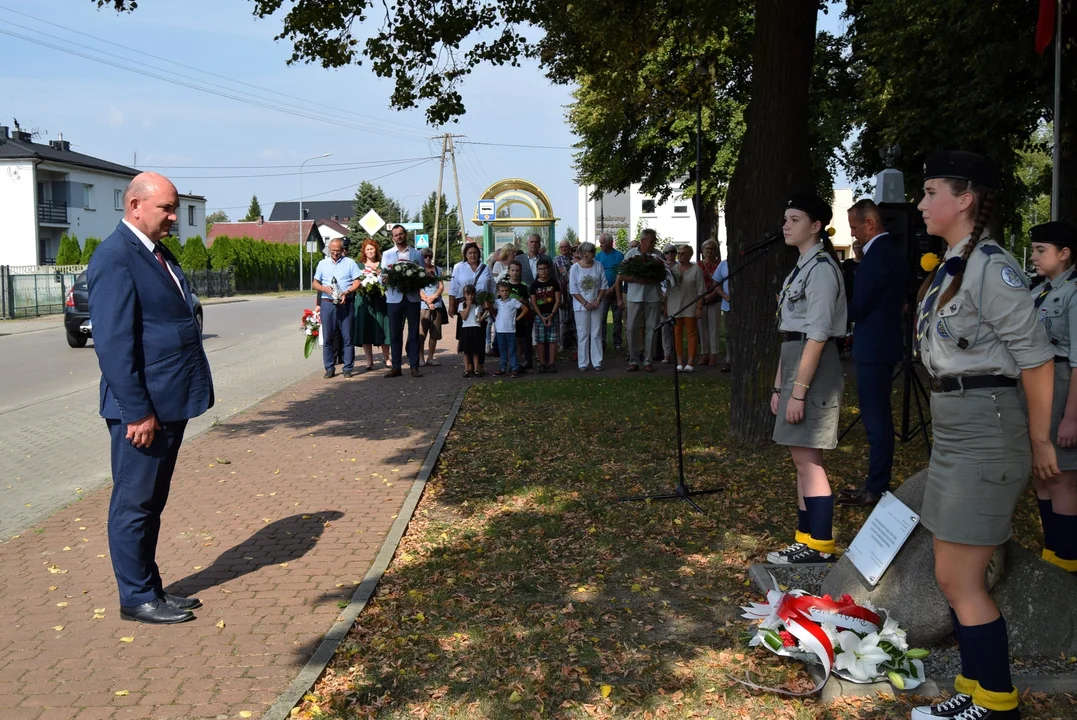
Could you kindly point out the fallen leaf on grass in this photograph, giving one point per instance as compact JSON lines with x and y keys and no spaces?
{"x":606,"y":690}
{"x":515,"y":697}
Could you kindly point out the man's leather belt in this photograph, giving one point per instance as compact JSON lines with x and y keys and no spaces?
{"x":1062,"y":359}
{"x":971,"y":382}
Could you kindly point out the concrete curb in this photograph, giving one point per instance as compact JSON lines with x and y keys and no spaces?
{"x":314,"y":667}
{"x":222,"y":301}
{"x":932,"y":687}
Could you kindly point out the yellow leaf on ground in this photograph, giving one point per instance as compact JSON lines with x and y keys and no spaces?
{"x":98,"y":616}
{"x":245,"y":713}
{"x":100,"y":556}
{"x":122,"y":693}
{"x":515,"y":697}
{"x":55,"y":570}
{"x":606,"y":690}
{"x":129,"y":638}
{"x":57,"y":628}
{"x":220,"y":624}
{"x":197,"y":567}
{"x":99,"y":610}
{"x":67,"y":548}
{"x":53,"y":587}
{"x":61,"y":604}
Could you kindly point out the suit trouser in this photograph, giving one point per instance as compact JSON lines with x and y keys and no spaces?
{"x":643,"y":318}
{"x":337,"y":319}
{"x":525,"y":331}
{"x":398,"y":313}
{"x":610,"y":303}
{"x":141,"y":478}
{"x":873,"y":384}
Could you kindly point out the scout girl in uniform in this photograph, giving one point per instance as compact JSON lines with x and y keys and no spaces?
{"x":809,"y":382}
{"x":977,"y":332}
{"x":1053,"y":248}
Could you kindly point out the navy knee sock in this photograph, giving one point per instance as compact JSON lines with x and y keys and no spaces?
{"x":820,"y":511}
{"x":802,"y":522}
{"x":968,"y":664}
{"x":991,"y":648}
{"x":1064,"y":540}
{"x":1046,"y":520}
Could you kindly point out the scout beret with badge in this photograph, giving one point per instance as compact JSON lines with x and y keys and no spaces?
{"x":1056,"y":232}
{"x":962,"y":165}
{"x":812,"y":204}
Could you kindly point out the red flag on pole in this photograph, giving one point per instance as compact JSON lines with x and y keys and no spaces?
{"x":1045,"y":24}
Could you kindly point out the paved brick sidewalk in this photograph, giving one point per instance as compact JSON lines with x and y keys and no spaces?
{"x":274,"y":517}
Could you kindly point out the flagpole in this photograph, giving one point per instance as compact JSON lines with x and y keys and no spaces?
{"x":1056,"y":165}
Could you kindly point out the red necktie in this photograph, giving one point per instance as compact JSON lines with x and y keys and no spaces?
{"x":161,"y":259}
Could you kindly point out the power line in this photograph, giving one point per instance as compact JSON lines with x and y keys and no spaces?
{"x":307,"y":172}
{"x":391,"y":125}
{"x":174,"y":81}
{"x":536,"y":147}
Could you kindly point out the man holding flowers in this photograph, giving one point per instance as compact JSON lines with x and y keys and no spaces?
{"x":336,"y":279}
{"x":642,"y":271}
{"x":403,"y":304}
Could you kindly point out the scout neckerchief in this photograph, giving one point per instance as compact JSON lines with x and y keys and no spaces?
{"x":793,"y":277}
{"x":928,"y":303}
{"x":1047,"y":288}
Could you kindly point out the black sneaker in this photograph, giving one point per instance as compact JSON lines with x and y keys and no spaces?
{"x":805,"y":555}
{"x":976,"y":712}
{"x":778,"y":556}
{"x":329,"y":373}
{"x":953,"y":707}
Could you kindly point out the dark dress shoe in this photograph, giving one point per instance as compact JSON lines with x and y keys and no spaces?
{"x":182,"y":603}
{"x":155,"y":612}
{"x":348,"y":373}
{"x":850,"y":491}
{"x":395,"y":372}
{"x":864,"y":498}
{"x":415,"y":372}
{"x":329,"y":373}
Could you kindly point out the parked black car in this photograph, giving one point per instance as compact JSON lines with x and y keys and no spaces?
{"x":77,"y":321}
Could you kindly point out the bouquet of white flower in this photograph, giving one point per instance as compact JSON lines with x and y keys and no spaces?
{"x":370,"y":285}
{"x":856,"y":642}
{"x":407,"y":277}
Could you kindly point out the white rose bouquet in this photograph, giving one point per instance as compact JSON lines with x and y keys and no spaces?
{"x":406,"y":276}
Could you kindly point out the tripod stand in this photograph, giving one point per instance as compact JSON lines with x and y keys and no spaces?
{"x":681,"y":491}
{"x":912,"y":389}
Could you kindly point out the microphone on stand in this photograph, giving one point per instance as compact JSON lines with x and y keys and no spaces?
{"x":768,"y":239}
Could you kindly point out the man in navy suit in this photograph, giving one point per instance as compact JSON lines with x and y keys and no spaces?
{"x":154,"y":378}
{"x":878,"y":298}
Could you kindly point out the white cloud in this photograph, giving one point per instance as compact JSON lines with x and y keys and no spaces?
{"x":114,"y":117}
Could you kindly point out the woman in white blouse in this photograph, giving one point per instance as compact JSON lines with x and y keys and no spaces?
{"x":687,"y":284}
{"x":469,"y":271}
{"x":587,"y":285}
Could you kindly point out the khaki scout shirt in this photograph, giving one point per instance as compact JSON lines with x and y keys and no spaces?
{"x":814,"y":302}
{"x":992,"y":312}
{"x":1058,"y":313}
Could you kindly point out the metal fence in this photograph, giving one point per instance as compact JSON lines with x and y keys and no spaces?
{"x":29,"y":291}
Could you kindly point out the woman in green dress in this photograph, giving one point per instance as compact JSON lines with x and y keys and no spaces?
{"x":371,"y":312}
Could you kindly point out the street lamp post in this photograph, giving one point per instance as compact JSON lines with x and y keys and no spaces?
{"x":300,"y":231}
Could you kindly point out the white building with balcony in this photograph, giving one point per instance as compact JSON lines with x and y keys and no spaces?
{"x":49,"y":190}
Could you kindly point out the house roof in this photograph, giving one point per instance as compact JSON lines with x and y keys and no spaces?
{"x":313,"y":210}
{"x":334,"y":225}
{"x":16,"y":147}
{"x":275,"y":232}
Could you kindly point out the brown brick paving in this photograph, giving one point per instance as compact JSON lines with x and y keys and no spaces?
{"x":270,"y":540}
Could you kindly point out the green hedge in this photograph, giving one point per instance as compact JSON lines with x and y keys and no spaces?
{"x":260,"y":266}
{"x":195,"y":255}
{"x":173,"y":245}
{"x":87,"y":249}
{"x":69,"y":253}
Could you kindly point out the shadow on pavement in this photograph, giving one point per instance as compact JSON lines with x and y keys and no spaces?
{"x":281,"y":541}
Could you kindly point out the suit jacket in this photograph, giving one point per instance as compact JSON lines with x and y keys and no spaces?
{"x":147,"y":341}
{"x":879,"y":296}
{"x":525,"y":261}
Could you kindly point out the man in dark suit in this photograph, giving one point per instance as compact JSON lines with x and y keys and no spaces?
{"x":154,"y":378}
{"x":528,"y":274}
{"x":877,"y":301}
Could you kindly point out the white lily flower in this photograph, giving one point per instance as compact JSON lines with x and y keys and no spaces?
{"x":860,"y":658}
{"x":893,"y":634}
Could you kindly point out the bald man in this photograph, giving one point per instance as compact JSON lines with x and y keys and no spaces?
{"x":154,"y":378}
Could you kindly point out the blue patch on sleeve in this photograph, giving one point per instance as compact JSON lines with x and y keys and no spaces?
{"x":990,"y":249}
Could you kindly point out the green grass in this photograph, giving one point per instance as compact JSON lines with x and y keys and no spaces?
{"x":524,"y":589}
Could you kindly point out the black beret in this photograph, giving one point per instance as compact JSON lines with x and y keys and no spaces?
{"x":812,"y":204}
{"x":1056,"y":232}
{"x":960,"y":165}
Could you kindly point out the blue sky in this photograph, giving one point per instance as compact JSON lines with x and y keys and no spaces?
{"x":192,"y":136}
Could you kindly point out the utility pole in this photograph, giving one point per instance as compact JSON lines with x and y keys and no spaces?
{"x":456,"y":182}
{"x":437,"y":201}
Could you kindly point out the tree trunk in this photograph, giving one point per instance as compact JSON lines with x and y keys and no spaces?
{"x":774,"y":162}
{"x":1067,"y":185}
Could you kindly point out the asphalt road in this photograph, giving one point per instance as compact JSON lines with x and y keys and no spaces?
{"x":53,"y":443}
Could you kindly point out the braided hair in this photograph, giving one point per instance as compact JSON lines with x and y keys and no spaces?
{"x":985,"y":203}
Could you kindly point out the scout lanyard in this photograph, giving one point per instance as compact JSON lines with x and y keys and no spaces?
{"x":927,"y":305}
{"x":1047,"y":288}
{"x":792,"y":278}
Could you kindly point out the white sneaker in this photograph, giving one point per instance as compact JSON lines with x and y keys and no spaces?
{"x":689,"y":368}
{"x":680,"y":368}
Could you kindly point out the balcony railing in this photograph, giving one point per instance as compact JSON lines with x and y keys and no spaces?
{"x":52,"y":211}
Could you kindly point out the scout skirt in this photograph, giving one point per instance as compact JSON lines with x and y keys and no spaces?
{"x":980,"y":462}
{"x":822,"y":405}
{"x":1067,"y":457}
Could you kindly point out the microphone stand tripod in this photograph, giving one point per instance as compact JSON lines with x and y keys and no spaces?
{"x":682,"y":491}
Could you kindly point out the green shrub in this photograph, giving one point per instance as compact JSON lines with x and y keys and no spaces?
{"x":259,"y":266}
{"x":195,"y":256}
{"x":173,"y":245}
{"x":70,"y":253}
{"x":87,"y":249}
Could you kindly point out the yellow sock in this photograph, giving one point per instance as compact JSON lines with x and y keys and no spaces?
{"x":1067,"y":565}
{"x":1046,"y":554}
{"x":823,"y":546}
{"x":803,"y":537}
{"x":995,"y":700}
{"x":965,"y":686}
